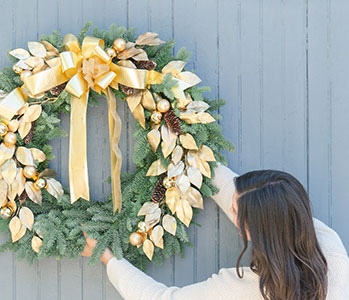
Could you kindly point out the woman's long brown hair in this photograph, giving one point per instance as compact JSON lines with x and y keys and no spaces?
{"x":285,"y":253}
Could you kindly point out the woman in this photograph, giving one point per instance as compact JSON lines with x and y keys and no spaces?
{"x":293,"y":256}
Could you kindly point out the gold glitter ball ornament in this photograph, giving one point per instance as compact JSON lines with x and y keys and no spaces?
{"x":40,"y":183}
{"x":119,"y":44}
{"x":168,"y":182}
{"x":6,"y":212}
{"x":163,"y":105}
{"x":156,"y":117}
{"x":111,"y":52}
{"x":29,"y":171}
{"x":17,"y":69}
{"x":3,"y":129}
{"x":10,"y":139}
{"x":136,"y":238}
{"x":142,"y":226}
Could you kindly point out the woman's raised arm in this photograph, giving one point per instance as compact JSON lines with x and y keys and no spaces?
{"x":224,"y":181}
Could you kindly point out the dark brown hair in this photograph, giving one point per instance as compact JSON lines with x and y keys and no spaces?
{"x":285,"y":253}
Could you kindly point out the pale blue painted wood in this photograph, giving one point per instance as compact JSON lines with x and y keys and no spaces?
{"x":282,"y":67}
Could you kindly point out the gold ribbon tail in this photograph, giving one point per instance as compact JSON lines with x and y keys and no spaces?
{"x":115,"y":153}
{"x":78,"y":173}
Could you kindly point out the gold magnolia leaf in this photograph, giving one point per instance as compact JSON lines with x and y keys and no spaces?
{"x":23,"y":109}
{"x":195,"y":176}
{"x":50,"y":48}
{"x":33,"y":113}
{"x":174,"y":67}
{"x":174,"y":170}
{"x":128,"y":53}
{"x":166,"y":151}
{"x":12,"y":204}
{"x":6,"y":152}
{"x":194,"y":197}
{"x":142,"y":55}
{"x":33,"y":193}
{"x":188,"y":141}
{"x":156,"y":235}
{"x":21,"y":64}
{"x":17,"y":186}
{"x":205,"y":118}
{"x":154,"y":139}
{"x":149,"y":38}
{"x":189,"y":77}
{"x":134,"y":100}
{"x":172,"y":196}
{"x":184,"y":211}
{"x":197,"y":106}
{"x":25,"y":156}
{"x":182,"y":103}
{"x":192,"y":158}
{"x":37,"y":49}
{"x":34,"y":62}
{"x":148,"y":100}
{"x":183,"y":183}
{"x":17,"y":229}
{"x":156,"y":169}
{"x":126,"y":63}
{"x":153,"y":218}
{"x":206,"y":153}
{"x":48,"y":173}
{"x":38,"y":155}
{"x":169,"y":223}
{"x":148,"y":208}
{"x":20,"y":53}
{"x":24,"y":128}
{"x":189,"y":117}
{"x":3,"y":192}
{"x":54,"y":187}
{"x":13,"y":125}
{"x":204,"y":168}
{"x":148,"y":248}
{"x":36,"y":243}
{"x":27,"y":217}
{"x":8,"y":171}
{"x":168,"y":136}
{"x":177,"y":154}
{"x":138,"y":113}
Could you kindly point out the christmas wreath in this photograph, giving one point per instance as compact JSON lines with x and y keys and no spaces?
{"x":177,"y":146}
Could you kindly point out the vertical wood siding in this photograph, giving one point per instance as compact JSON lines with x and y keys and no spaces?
{"x":282,"y":66}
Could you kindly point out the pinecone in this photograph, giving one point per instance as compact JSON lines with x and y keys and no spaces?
{"x":23,"y":197}
{"x":159,"y":190}
{"x":127,"y":90}
{"x":145,"y":64}
{"x":57,"y":90}
{"x":173,"y":122}
{"x":28,"y":138}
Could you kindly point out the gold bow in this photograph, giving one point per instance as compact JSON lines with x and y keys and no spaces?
{"x":11,"y":103}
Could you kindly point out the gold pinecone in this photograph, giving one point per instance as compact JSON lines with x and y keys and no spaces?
{"x":173,"y":122}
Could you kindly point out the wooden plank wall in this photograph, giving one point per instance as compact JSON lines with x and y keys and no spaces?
{"x":282,"y":66}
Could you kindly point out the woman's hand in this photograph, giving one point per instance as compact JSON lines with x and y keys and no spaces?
{"x":90,"y":244}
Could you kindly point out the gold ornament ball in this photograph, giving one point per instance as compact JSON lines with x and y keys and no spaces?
{"x":119,"y":44}
{"x":163,"y":105}
{"x":3,"y":129}
{"x":25,"y":74}
{"x":6,"y":212}
{"x":168,"y":182}
{"x":156,"y":117}
{"x":142,"y":226}
{"x":136,"y":238}
{"x":17,"y":69}
{"x":10,"y":139}
{"x":111,"y":52}
{"x":29,"y":171}
{"x":40,"y":183}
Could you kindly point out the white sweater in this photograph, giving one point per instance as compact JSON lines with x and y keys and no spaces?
{"x":133,"y":284}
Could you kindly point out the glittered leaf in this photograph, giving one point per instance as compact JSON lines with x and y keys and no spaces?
{"x":170,"y":224}
{"x":17,"y":186}
{"x":149,"y":38}
{"x":148,"y":100}
{"x":33,"y":193}
{"x":195,"y":176}
{"x":148,"y":248}
{"x":156,"y":235}
{"x":183,"y":183}
{"x":3,"y":192}
{"x":184,"y":211}
{"x":33,"y":113}
{"x":38,"y":154}
{"x":27,"y":217}
{"x":168,"y":136}
{"x":197,"y":106}
{"x":17,"y":229}
{"x":175,"y":170}
{"x":8,"y":171}
{"x":194,"y":197}
{"x":154,"y":139}
{"x":20,"y":53}
{"x":177,"y":154}
{"x":156,"y":169}
{"x":174,"y":67}
{"x":36,"y":243}
{"x":25,"y":156}
{"x":204,"y":168}
{"x":189,"y":78}
{"x":13,"y":125}
{"x":24,"y":128}
{"x":188,"y":141}
{"x":37,"y":49}
{"x":206,"y":153}
{"x":205,"y":118}
{"x":153,"y":218}
{"x":6,"y":153}
{"x":148,"y":208}
{"x":54,"y":187}
{"x":172,"y":196}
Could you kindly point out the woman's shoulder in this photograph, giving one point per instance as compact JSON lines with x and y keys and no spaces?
{"x":329,"y":240}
